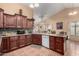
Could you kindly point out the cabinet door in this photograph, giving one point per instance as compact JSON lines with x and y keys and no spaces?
{"x":29,"y":24}
{"x":60,"y":45}
{"x":19,"y":21}
{"x":22,"y":40}
{"x":9,"y":21}
{"x":13,"y":43}
{"x":28,"y":40}
{"x":5,"y":44}
{"x":24,"y":22}
{"x":52,"y":42}
{"x":1,"y":19}
{"x":37,"y":39}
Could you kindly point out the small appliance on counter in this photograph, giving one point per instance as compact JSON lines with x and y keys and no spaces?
{"x":20,"y":32}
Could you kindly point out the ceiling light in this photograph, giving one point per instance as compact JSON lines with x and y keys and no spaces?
{"x":70,"y":13}
{"x":31,"y":6}
{"x":75,"y":12}
{"x":36,"y":5}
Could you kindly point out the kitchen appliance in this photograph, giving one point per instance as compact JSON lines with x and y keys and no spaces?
{"x":45,"y":41}
{"x":20,"y":32}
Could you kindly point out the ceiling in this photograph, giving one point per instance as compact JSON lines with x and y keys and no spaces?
{"x":45,"y":10}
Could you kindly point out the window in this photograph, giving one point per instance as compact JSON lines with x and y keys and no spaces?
{"x":74,"y":28}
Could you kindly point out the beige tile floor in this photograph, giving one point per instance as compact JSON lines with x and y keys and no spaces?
{"x":32,"y":50}
{"x":71,"y":49}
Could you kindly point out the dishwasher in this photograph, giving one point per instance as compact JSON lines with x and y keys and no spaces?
{"x":45,"y":41}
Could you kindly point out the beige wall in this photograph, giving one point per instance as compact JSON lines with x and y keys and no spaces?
{"x":12,"y":8}
{"x":63,"y":17}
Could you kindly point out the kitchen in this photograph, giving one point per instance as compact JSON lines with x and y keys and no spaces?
{"x":27,"y":28}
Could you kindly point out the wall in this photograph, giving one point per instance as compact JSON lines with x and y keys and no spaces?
{"x":62,"y":16}
{"x":12,"y":8}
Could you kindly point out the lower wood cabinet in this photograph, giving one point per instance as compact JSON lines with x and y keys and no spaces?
{"x":52,"y":42}
{"x":28,"y":40}
{"x":21,"y":40}
{"x":13,"y":42}
{"x":57,"y":44}
{"x":5,"y":44}
{"x":37,"y":39}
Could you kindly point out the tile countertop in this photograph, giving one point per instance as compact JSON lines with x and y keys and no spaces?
{"x":51,"y":34}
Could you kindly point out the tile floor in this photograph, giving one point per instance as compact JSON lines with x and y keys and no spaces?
{"x":32,"y":50}
{"x":71,"y":49}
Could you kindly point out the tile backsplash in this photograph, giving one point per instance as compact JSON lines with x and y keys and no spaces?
{"x":14,"y":31}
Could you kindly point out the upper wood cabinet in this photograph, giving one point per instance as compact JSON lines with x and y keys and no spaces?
{"x":19,"y":21}
{"x":15,"y":21}
{"x":1,"y":17}
{"x":30,"y":23}
{"x":24,"y":18}
{"x":9,"y":21}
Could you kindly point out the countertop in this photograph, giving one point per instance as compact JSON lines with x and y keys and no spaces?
{"x":51,"y":34}
{"x":13,"y":35}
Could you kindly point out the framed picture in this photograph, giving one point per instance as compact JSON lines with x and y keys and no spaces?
{"x":59,"y":25}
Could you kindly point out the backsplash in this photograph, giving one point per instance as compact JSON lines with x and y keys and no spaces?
{"x":13,"y":31}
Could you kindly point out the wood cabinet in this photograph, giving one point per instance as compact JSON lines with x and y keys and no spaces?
{"x":60,"y":44}
{"x":9,"y":21}
{"x":28,"y":40}
{"x":1,"y":17}
{"x":13,"y":42}
{"x":37,"y":39}
{"x":19,"y":21}
{"x":21,"y":40}
{"x":57,"y":44}
{"x":30,"y":23}
{"x":52,"y":42}
{"x":24,"y":18}
{"x":5,"y":44}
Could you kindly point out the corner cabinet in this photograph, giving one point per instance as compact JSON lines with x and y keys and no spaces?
{"x":37,"y":39}
{"x":9,"y":21}
{"x":30,"y":23}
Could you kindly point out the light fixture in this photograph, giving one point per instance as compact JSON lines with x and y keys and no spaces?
{"x":34,"y":5}
{"x":73,"y":12}
{"x":31,"y":6}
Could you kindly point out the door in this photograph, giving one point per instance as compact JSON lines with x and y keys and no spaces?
{"x":45,"y":41}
